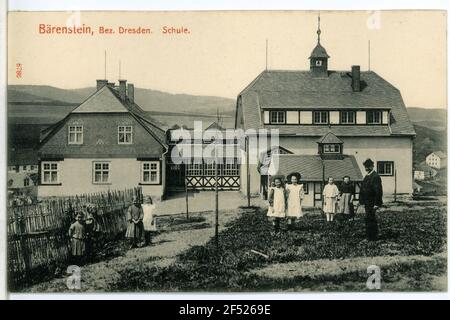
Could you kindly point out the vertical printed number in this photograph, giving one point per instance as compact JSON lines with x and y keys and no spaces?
{"x":374,"y":280}
{"x":73,"y":282}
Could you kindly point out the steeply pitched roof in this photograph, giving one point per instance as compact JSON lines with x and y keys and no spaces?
{"x":440,"y":154}
{"x":301,"y":90}
{"x":103,"y":100}
{"x":310,"y":167}
{"x":107,"y":100}
{"x":22,"y":157}
{"x":329,"y":138}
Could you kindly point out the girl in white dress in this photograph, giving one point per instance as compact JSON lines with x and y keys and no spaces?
{"x":330,"y":197}
{"x":295,"y":195}
{"x":277,"y":202}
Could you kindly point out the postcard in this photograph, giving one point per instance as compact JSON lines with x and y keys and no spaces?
{"x":227,"y":151}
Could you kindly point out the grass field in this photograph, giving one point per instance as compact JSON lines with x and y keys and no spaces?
{"x":316,"y":256}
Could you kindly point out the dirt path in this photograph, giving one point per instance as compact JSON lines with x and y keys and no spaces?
{"x":98,"y":277}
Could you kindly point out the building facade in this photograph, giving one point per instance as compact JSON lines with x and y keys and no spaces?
{"x":437,"y":160}
{"x":361,"y":109}
{"x":107,"y":143}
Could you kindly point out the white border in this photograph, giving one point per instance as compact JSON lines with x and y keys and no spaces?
{"x":68,"y":5}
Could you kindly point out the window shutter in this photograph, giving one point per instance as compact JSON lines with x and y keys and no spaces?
{"x":292,"y":117}
{"x":385,"y":117}
{"x":361,"y":117}
{"x":306,"y":117}
{"x":334,"y":117}
{"x":266,"y":117}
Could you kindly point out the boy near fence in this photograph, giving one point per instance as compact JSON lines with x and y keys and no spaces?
{"x":135,"y":229}
{"x":149,"y":220}
{"x":77,"y":234}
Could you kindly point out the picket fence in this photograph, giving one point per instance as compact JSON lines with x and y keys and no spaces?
{"x":38,"y":240}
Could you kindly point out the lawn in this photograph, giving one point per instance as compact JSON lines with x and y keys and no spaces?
{"x":315,"y":256}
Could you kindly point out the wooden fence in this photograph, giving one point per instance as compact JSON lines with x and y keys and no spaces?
{"x":38,"y":238}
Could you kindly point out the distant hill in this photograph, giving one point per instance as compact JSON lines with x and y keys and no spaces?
{"x":148,"y":99}
{"x":428,"y":140}
{"x":430,"y":118}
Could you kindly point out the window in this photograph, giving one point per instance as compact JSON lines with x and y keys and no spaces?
{"x":331,"y":148}
{"x":26,"y":182}
{"x":125,"y":134}
{"x":50,"y":172}
{"x":320,"y":117}
{"x":210,"y":169}
{"x":101,"y":172}
{"x":31,"y":167}
{"x":348,"y":117}
{"x":305,"y":187}
{"x":318,"y":63}
{"x":231,"y":168}
{"x":194,"y":169}
{"x":24,"y":168}
{"x":150,"y":172}
{"x":76,"y":134}
{"x":385,"y":168}
{"x":277,"y":117}
{"x":374,"y":117}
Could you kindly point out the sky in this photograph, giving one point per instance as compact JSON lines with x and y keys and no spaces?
{"x":224,"y":51}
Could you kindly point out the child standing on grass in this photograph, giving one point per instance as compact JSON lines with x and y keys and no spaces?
{"x":294,"y":198}
{"x":149,"y":219}
{"x":77,"y":234}
{"x":277,"y":202}
{"x":330,"y":195}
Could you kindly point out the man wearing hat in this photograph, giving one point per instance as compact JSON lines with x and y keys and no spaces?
{"x":371,"y":197}
{"x":135,"y":230}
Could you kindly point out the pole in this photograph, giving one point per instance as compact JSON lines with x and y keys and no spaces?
{"x":395,"y":185}
{"x":187,"y":198}
{"x":247,"y":159}
{"x":217,"y":203}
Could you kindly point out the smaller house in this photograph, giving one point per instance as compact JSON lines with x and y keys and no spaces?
{"x":424,"y":172}
{"x":437,"y":159}
{"x":22,"y":184}
{"x":24,"y":160}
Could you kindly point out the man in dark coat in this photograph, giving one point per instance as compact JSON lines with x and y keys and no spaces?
{"x":371,"y":197}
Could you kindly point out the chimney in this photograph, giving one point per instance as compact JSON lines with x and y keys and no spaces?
{"x":111,"y":84}
{"x":131,"y":92}
{"x":123,"y":89}
{"x":356,"y":79}
{"x":101,"y":83}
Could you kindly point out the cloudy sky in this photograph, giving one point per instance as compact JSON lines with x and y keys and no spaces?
{"x":224,"y":51}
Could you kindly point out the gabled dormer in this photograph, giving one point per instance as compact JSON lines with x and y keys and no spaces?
{"x":330,"y":146}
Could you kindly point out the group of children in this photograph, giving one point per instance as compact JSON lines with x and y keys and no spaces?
{"x":85,"y":231}
{"x":285,"y":202}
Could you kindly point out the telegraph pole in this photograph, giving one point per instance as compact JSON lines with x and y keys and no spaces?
{"x":216,"y":177}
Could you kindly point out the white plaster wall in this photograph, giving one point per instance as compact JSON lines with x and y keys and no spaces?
{"x":75,"y":176}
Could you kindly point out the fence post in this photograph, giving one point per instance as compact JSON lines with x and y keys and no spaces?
{"x":24,"y":248}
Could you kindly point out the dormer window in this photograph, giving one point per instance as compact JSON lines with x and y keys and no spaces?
{"x":320,"y":117}
{"x":277,"y":117}
{"x":373,"y":117}
{"x":348,"y":117}
{"x":332,"y":148}
{"x":125,"y":135}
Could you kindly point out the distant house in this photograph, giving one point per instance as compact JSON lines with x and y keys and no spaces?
{"x":423,"y":172}
{"x":25,"y":160}
{"x":21,"y":183}
{"x":437,"y":159}
{"x":106,"y":143}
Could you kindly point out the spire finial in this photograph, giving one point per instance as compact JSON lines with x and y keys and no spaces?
{"x":318,"y":29}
